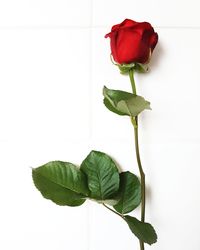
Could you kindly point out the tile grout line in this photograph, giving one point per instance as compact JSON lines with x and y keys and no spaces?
{"x":91,"y":26}
{"x":91,"y":74}
{"x":90,"y":136}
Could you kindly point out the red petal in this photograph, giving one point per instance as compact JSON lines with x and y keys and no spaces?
{"x":153,"y":41}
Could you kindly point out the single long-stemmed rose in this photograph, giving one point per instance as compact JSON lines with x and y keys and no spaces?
{"x":132,"y":44}
{"x":98,"y":178}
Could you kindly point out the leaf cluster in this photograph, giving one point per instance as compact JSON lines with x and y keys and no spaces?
{"x":97,"y":179}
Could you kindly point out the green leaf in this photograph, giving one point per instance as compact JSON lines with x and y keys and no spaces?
{"x":141,"y":68}
{"x":124,"y":103}
{"x":112,"y":108}
{"x":110,"y":202}
{"x":61,"y":182}
{"x":102,"y":175}
{"x":125,"y":68}
{"x":143,"y":231}
{"x":56,"y":193}
{"x":129,"y":193}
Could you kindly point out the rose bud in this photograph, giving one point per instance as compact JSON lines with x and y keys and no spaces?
{"x":132,"y":42}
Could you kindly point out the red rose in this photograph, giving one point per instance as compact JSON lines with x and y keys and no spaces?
{"x":131,"y":42}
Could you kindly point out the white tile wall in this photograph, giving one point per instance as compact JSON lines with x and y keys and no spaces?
{"x":54,"y":61}
{"x":39,"y":79}
{"x":45,"y":13}
{"x":27,"y":220}
{"x":159,"y":13}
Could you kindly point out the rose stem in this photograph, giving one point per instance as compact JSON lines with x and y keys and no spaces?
{"x":141,"y":243}
{"x":113,"y":211}
{"x":134,"y":121}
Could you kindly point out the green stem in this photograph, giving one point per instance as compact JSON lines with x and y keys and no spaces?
{"x":141,"y":245}
{"x":131,"y":75}
{"x":134,"y":121}
{"x":113,"y":211}
{"x":142,"y":175}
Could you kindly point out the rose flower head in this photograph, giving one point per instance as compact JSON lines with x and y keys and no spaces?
{"x":132,"y":43}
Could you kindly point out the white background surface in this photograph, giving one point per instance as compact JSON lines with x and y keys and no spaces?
{"x":54,"y":61}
